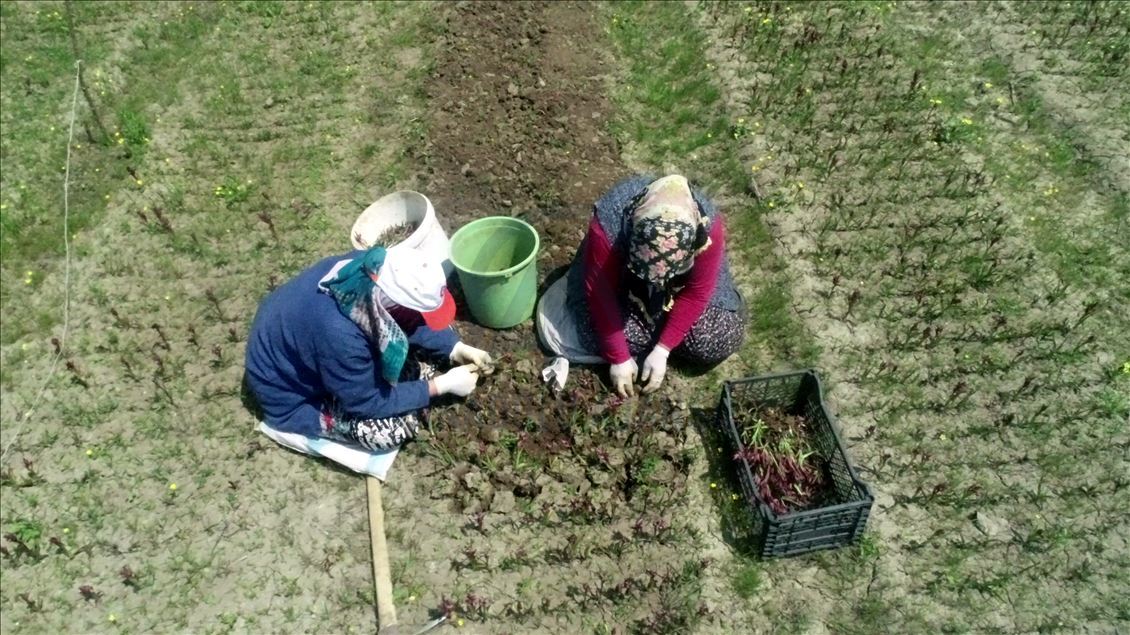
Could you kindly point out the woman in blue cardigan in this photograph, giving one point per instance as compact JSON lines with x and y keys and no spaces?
{"x":328,"y":354}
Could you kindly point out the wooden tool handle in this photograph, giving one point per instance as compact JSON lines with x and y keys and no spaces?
{"x":382,"y":577}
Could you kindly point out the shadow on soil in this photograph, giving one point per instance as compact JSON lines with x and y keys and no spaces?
{"x":739,"y":528}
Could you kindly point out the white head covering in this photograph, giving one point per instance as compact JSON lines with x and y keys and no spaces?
{"x":667,"y":231}
{"x":669,"y":198}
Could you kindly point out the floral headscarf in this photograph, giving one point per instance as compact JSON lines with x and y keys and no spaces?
{"x":667,"y":232}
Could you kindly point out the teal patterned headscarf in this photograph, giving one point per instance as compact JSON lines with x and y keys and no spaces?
{"x":354,"y":288}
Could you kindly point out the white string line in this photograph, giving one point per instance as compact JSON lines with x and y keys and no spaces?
{"x":66,"y":275}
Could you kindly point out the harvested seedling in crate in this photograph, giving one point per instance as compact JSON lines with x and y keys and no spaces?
{"x":791,"y":474}
{"x":801,"y":489}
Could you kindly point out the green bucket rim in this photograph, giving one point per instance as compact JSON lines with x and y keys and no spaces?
{"x":504,"y":272}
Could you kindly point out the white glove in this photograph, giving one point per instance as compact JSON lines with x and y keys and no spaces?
{"x":623,"y":375}
{"x":463,"y":354}
{"x":654,"y":368}
{"x":460,"y":381}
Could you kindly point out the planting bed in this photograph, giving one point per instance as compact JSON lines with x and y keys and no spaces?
{"x":922,"y":200}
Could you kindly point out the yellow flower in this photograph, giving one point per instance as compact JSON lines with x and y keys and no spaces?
{"x":113,"y":618}
{"x":988,"y":84}
{"x":771,"y":204}
{"x":459,"y":622}
{"x":733,"y":497}
{"x":140,"y":182}
{"x":66,"y":530}
{"x":1126,"y":368}
{"x":766,"y":20}
{"x":713,"y":486}
{"x":967,"y":121}
{"x":172,"y":487}
{"x":90,"y":452}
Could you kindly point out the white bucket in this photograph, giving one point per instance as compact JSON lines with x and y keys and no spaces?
{"x":402,"y":208}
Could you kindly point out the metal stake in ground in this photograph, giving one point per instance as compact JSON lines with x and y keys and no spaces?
{"x":382,"y":578}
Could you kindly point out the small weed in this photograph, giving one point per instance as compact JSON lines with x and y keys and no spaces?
{"x":133,"y":132}
{"x":747,"y":580}
{"x":233,"y":191}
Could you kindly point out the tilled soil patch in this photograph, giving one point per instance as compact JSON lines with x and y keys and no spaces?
{"x":534,"y":511}
{"x":517,"y":128}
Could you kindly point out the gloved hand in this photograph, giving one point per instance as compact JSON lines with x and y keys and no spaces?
{"x":623,"y":376}
{"x":463,"y":354}
{"x":460,"y":381}
{"x":654,"y":368}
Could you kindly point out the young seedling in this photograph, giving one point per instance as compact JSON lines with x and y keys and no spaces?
{"x":129,"y":578}
{"x":216,"y":306}
{"x":77,"y":376}
{"x":89,"y":594}
{"x":163,"y":221}
{"x":130,"y":373}
{"x":266,"y":218}
{"x":33,"y":605}
{"x":164,"y":343}
{"x":58,"y":544}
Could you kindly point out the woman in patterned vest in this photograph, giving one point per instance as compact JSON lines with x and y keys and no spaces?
{"x":651,"y":279}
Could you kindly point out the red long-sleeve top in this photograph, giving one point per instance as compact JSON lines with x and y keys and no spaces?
{"x":604,"y":286}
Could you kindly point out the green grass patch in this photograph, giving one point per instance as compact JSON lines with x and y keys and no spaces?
{"x":672,"y":114}
{"x":747,"y":580}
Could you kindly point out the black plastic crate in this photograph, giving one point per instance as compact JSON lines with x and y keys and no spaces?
{"x":837,"y":525}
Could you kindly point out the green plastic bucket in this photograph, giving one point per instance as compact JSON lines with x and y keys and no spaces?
{"x":496,"y":259}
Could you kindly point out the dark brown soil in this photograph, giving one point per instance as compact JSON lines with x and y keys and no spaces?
{"x":518,"y":128}
{"x":582,"y":485}
{"x":519,"y":117}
